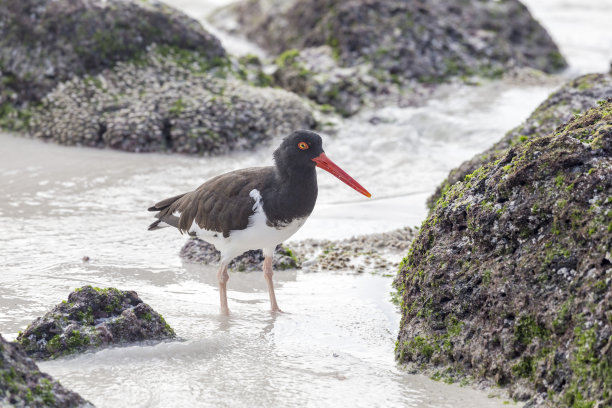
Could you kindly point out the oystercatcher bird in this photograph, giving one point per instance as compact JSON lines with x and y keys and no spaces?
{"x":254,"y":208}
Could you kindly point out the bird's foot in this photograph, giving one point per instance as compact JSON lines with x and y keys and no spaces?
{"x":225,"y":311}
{"x":276,"y":309}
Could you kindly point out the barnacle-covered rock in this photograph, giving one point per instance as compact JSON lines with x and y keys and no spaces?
{"x":509,"y":279}
{"x":168,"y":100}
{"x":91,"y":318}
{"x":373,"y":253}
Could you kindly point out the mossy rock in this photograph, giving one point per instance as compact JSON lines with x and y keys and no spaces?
{"x":92,"y":318}
{"x":509,"y":279}
{"x":44,"y":42}
{"x":23,"y":385}
{"x":573,"y":98}
{"x":169,"y":99}
{"x":315,"y":74}
{"x":426,"y":41}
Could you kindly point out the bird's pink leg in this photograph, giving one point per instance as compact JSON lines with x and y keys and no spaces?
{"x":223,"y":277}
{"x":268,"y":273}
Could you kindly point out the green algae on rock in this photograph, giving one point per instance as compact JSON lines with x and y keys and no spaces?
{"x":23,"y":385}
{"x":133,"y":76}
{"x":167,"y":100}
{"x":573,"y":98}
{"x":44,"y":42}
{"x":377,"y":46}
{"x":315,"y":74}
{"x":509,"y":279}
{"x":91,"y":318}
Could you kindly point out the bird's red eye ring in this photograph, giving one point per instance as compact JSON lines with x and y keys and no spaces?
{"x":303,"y":145}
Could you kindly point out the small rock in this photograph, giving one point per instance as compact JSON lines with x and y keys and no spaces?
{"x":322,"y":254}
{"x":92,"y":318}
{"x":197,"y":251}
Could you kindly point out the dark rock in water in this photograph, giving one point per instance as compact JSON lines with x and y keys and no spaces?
{"x":196,"y":250}
{"x":169,"y":100}
{"x":394,"y":42}
{"x":44,"y":42}
{"x":573,"y":98}
{"x":92,"y":318}
{"x":23,"y":385}
{"x":509,"y":279}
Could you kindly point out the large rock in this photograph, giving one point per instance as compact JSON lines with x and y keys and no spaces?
{"x":424,"y":40}
{"x":509,"y":278}
{"x":91,"y":318}
{"x":23,"y":385}
{"x":168,"y":100}
{"x":573,"y":98}
{"x":44,"y":42}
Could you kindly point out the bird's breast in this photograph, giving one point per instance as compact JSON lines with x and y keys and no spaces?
{"x":260,"y":233}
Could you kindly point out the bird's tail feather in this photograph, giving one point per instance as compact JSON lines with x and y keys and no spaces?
{"x":167,"y":220}
{"x":164,"y":222}
{"x":165,"y":203}
{"x":155,"y":226}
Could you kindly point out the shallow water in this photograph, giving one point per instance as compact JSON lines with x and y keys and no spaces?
{"x":581,"y":29}
{"x":335,"y":346}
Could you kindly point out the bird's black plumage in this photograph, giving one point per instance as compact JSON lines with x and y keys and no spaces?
{"x":223,"y":203}
{"x":255,"y":208}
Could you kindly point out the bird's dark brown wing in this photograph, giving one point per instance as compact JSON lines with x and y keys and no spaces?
{"x":221,"y":204}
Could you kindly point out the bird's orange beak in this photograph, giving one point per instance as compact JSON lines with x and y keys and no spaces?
{"x":326,"y":164}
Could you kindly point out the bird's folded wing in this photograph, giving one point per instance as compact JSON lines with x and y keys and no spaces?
{"x":221,"y":204}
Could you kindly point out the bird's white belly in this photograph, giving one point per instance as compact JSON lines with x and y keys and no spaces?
{"x":257,"y":235}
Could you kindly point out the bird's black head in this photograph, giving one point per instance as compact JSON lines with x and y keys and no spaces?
{"x":301,"y":152}
{"x":297,"y":151}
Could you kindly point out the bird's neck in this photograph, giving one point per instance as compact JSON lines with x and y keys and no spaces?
{"x":299,"y":181}
{"x":296,"y":194}
{"x":292,"y":174}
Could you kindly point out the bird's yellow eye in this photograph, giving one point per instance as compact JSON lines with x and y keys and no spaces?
{"x":303,"y":145}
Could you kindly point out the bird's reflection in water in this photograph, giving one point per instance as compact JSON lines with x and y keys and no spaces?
{"x":225,"y":323}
